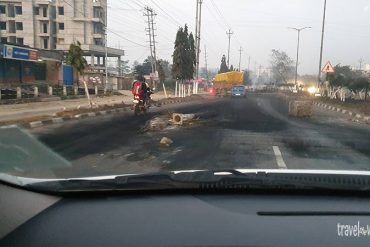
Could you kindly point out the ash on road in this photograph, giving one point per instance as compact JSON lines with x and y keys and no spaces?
{"x":252,"y":132}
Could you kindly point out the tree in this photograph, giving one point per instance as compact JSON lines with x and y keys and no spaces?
{"x":143,"y":69}
{"x":282,"y":67}
{"x":223,"y":67}
{"x":184,"y":55}
{"x":247,"y":78}
{"x":192,"y":56}
{"x":177,"y":56}
{"x":342,"y":77}
{"x":359,"y":84}
{"x":125,"y":68}
{"x":75,"y":58}
{"x":161,"y":74}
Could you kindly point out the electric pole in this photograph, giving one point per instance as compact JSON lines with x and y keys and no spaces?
{"x":361,"y":61}
{"x":206,"y":62}
{"x":229,"y":33}
{"x":322,"y":45}
{"x":240,"y":56}
{"x":150,"y":14}
{"x":106,"y":88}
{"x":198,"y":24}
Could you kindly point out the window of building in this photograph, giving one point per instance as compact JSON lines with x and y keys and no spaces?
{"x":2,"y":9}
{"x":45,"y":27}
{"x":18,"y":10}
{"x":54,"y":43}
{"x":12,"y":39}
{"x":11,"y":12}
{"x":45,"y":43}
{"x":61,"y":26}
{"x":45,"y":12}
{"x":36,"y":10}
{"x":20,"y":41}
{"x":60,"y":10}
{"x":2,"y":25}
{"x":54,"y":27}
{"x":4,"y":40}
{"x":98,"y":41}
{"x":19,"y":25}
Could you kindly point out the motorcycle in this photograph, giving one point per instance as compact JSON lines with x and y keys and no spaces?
{"x":140,"y":106}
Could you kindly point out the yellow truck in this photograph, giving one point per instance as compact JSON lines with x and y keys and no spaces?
{"x":223,"y":82}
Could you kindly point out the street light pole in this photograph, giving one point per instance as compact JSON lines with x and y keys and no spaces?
{"x":297,"y":60}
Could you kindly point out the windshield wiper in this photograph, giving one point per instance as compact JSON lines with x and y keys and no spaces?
{"x":214,"y":179}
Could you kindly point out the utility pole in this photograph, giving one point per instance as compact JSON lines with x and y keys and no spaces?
{"x":150,"y":14}
{"x":296,"y":63}
{"x":361,"y":61}
{"x":240,"y":56}
{"x":322,"y":45}
{"x":198,"y":24}
{"x":106,"y":88}
{"x":229,"y":33}
{"x":206,"y":62}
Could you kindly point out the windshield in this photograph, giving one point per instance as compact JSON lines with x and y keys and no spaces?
{"x":117,"y":88}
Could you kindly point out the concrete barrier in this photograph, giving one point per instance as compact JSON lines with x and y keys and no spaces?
{"x":50,"y":90}
{"x":300,"y":108}
{"x":19,"y":93}
{"x":36,"y":92}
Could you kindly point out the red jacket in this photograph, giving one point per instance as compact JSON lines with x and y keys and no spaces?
{"x":137,"y":89}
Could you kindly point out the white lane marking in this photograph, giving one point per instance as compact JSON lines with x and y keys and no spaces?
{"x":279,"y":158}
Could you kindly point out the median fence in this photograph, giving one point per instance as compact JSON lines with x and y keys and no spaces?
{"x":43,"y":90}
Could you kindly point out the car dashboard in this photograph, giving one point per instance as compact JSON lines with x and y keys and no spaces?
{"x":184,"y":219}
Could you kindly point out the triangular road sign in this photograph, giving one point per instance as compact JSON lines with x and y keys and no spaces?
{"x":328,"y":68}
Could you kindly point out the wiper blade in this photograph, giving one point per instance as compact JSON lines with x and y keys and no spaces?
{"x":212,"y":179}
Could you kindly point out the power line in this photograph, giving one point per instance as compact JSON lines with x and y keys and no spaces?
{"x":173,"y":19}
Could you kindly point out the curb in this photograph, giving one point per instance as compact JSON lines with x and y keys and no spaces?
{"x":357,"y":116}
{"x":60,"y":120}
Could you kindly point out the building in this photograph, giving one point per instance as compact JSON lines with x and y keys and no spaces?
{"x":25,"y":65}
{"x":55,"y":24}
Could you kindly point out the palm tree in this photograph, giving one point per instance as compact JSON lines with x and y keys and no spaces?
{"x":75,"y":58}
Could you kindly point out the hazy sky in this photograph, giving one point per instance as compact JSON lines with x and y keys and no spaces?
{"x":258,"y":26}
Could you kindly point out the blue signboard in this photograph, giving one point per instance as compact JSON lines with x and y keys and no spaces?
{"x":19,"y":53}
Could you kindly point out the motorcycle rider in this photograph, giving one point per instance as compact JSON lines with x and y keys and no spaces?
{"x":147,"y":93}
{"x":137,"y":87}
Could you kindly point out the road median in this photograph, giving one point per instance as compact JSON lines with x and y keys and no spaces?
{"x":87,"y":112}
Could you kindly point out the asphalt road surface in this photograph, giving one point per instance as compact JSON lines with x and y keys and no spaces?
{"x":252,"y":132}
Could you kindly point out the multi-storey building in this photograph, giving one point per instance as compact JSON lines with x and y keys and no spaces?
{"x":55,"y":24}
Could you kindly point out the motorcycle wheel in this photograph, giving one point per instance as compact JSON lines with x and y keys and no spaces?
{"x":136,"y":110}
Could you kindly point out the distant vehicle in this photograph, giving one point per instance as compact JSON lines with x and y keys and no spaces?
{"x":224,"y":82}
{"x":238,"y":91}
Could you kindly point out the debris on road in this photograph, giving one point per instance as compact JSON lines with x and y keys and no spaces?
{"x":180,"y":119}
{"x":166,"y":141}
{"x":156,"y":123}
{"x":300,"y":108}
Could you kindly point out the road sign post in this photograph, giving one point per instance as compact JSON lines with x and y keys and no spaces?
{"x":327,"y":69}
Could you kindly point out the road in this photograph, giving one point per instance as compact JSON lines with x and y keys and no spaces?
{"x":251,"y":132}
